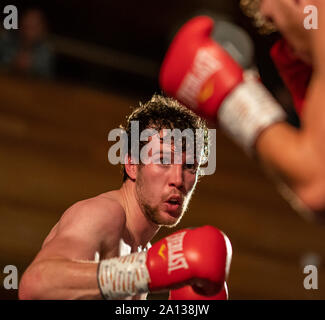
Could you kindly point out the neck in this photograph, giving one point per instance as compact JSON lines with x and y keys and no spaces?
{"x":141,"y":230}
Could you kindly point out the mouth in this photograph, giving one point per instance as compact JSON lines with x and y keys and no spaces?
{"x":174,"y":203}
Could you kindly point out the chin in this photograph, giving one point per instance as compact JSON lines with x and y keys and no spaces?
{"x":167,"y":220}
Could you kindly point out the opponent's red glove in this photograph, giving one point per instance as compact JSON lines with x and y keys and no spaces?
{"x":197,"y":70}
{"x":187,"y":293}
{"x":295,"y":73}
{"x":202,"y":75}
{"x":200,"y":257}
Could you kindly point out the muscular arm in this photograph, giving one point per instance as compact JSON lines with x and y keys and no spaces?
{"x":298,"y":156}
{"x":245,"y":111}
{"x":63,"y":268}
{"x":295,"y":157}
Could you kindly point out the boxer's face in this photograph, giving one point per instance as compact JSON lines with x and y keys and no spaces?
{"x":288,"y":16}
{"x":164,"y":190}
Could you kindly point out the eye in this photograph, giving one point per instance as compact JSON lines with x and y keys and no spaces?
{"x":191,"y":167}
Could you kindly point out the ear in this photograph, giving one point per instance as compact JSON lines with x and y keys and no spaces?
{"x":130,"y":167}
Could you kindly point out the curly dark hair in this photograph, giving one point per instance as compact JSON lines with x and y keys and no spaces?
{"x":162,"y":112}
{"x":251,"y":8}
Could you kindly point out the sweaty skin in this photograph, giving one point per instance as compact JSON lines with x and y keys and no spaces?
{"x":65,"y":267}
{"x":298,"y":156}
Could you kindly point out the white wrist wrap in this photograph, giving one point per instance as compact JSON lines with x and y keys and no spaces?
{"x":123,"y":276}
{"x":247,"y":111}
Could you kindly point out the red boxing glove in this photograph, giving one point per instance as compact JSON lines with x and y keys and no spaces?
{"x":187,"y":293}
{"x":201,"y":74}
{"x":200,"y":256}
{"x":295,"y":73}
{"x":197,"y":71}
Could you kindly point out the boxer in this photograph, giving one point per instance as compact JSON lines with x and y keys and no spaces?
{"x":198,"y":72}
{"x":117,"y":227}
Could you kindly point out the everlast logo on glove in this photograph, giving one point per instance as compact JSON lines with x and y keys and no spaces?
{"x":205,"y":65}
{"x":176,"y":258}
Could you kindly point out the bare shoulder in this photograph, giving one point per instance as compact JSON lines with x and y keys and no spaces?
{"x":101,"y":212}
{"x":92,"y":220}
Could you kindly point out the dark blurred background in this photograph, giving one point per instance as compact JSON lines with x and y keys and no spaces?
{"x":94,"y":60}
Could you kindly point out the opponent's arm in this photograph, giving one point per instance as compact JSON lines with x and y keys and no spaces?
{"x":299,"y":155}
{"x":209,"y":81}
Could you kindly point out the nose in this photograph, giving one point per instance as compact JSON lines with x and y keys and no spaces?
{"x":176,"y":176}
